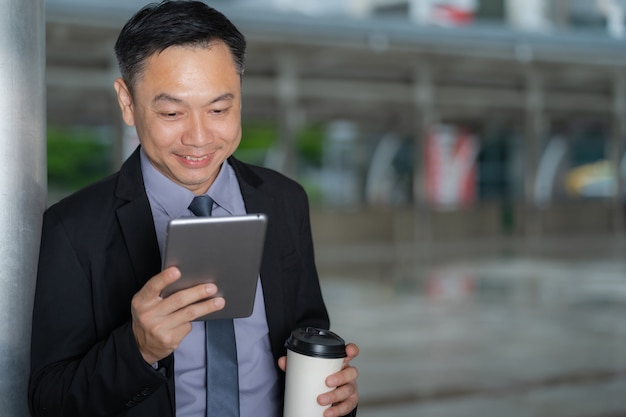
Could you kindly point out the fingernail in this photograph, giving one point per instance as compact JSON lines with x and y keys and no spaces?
{"x":219,"y":302}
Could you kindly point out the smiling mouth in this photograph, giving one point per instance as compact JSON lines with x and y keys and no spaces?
{"x":195,"y":159}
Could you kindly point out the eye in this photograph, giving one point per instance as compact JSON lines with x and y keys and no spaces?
{"x":170,"y":115}
{"x":219,"y":111}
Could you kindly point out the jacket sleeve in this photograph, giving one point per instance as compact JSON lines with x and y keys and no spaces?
{"x":316,"y":314}
{"x":77,"y":369}
{"x":302,"y":304}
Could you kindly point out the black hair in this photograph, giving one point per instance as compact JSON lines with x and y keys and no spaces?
{"x":158,"y":26}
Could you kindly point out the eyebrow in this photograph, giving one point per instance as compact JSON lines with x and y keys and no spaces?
{"x":167,"y":97}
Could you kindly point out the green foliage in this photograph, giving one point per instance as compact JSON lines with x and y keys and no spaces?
{"x":309,"y":143}
{"x":76,"y":157}
{"x":256,"y":139}
{"x":80,"y":156}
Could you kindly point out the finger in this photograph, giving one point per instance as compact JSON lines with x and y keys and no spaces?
{"x":186,"y":297}
{"x":352,"y":351}
{"x":196,"y":309}
{"x":161,"y":312}
{"x":342,"y":408}
{"x":344,"y":394}
{"x":148,"y":299}
{"x":282,"y":363}
{"x":346,"y":375}
{"x":344,"y":398}
{"x":155,"y":285}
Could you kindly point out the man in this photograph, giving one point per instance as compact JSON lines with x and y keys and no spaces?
{"x":104,"y":343}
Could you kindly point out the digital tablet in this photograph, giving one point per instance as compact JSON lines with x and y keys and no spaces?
{"x":223,"y":250}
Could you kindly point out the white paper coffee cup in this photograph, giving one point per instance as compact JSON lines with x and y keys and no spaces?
{"x":312,"y":355}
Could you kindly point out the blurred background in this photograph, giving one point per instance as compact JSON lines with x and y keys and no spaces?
{"x":465,"y":165}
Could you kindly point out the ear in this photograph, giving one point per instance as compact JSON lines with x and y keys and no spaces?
{"x":125,"y":100}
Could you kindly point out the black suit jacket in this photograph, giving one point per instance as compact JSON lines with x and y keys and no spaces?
{"x":98,"y":249}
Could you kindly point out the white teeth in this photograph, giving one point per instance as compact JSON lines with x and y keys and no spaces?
{"x":191,"y":158}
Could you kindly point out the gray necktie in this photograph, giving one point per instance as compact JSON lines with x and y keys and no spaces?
{"x":221,"y":351}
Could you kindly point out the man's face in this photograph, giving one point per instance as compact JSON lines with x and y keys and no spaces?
{"x":187,"y":111}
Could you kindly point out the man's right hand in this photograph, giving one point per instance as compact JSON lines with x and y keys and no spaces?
{"x":160,"y":324}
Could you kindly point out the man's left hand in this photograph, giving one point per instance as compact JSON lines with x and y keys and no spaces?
{"x":345,"y":395}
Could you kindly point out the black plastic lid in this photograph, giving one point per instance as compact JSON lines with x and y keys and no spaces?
{"x":320,"y":343}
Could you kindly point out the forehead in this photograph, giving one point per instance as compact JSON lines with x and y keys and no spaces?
{"x":204,"y":64}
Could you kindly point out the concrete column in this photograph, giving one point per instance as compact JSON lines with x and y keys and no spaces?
{"x":534,"y":132}
{"x":23,"y":185}
{"x":616,"y":147}
{"x":529,"y":15}
{"x":561,"y":12}
{"x":289,"y":114}
{"x":423,"y":94}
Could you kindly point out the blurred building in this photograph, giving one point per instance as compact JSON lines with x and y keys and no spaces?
{"x":494,"y":104}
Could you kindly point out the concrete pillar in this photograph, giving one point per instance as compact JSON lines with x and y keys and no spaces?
{"x":534,"y":132}
{"x":561,"y":10}
{"x":424,"y":96}
{"x":616,"y":147}
{"x":22,"y":188}
{"x":289,"y":114}
{"x":530,"y":15}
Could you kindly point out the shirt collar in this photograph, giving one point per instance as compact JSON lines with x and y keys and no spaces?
{"x":223,"y":188}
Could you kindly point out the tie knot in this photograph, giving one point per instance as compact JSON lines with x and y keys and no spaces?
{"x":201,"y":206}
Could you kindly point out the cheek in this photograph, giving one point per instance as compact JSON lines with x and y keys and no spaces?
{"x":237,"y":137}
{"x":231,"y":133}
{"x":159,"y":134}
{"x":237,"y":130}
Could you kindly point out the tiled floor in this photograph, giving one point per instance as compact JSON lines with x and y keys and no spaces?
{"x":493,"y":336}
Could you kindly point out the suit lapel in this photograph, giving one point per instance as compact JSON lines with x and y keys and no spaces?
{"x":257,"y":200}
{"x":135,"y":218}
{"x":137,"y":225}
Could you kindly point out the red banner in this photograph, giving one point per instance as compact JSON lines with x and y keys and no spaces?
{"x":450,"y":163}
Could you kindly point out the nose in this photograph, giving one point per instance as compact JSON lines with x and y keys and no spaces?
{"x":198,"y":132}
